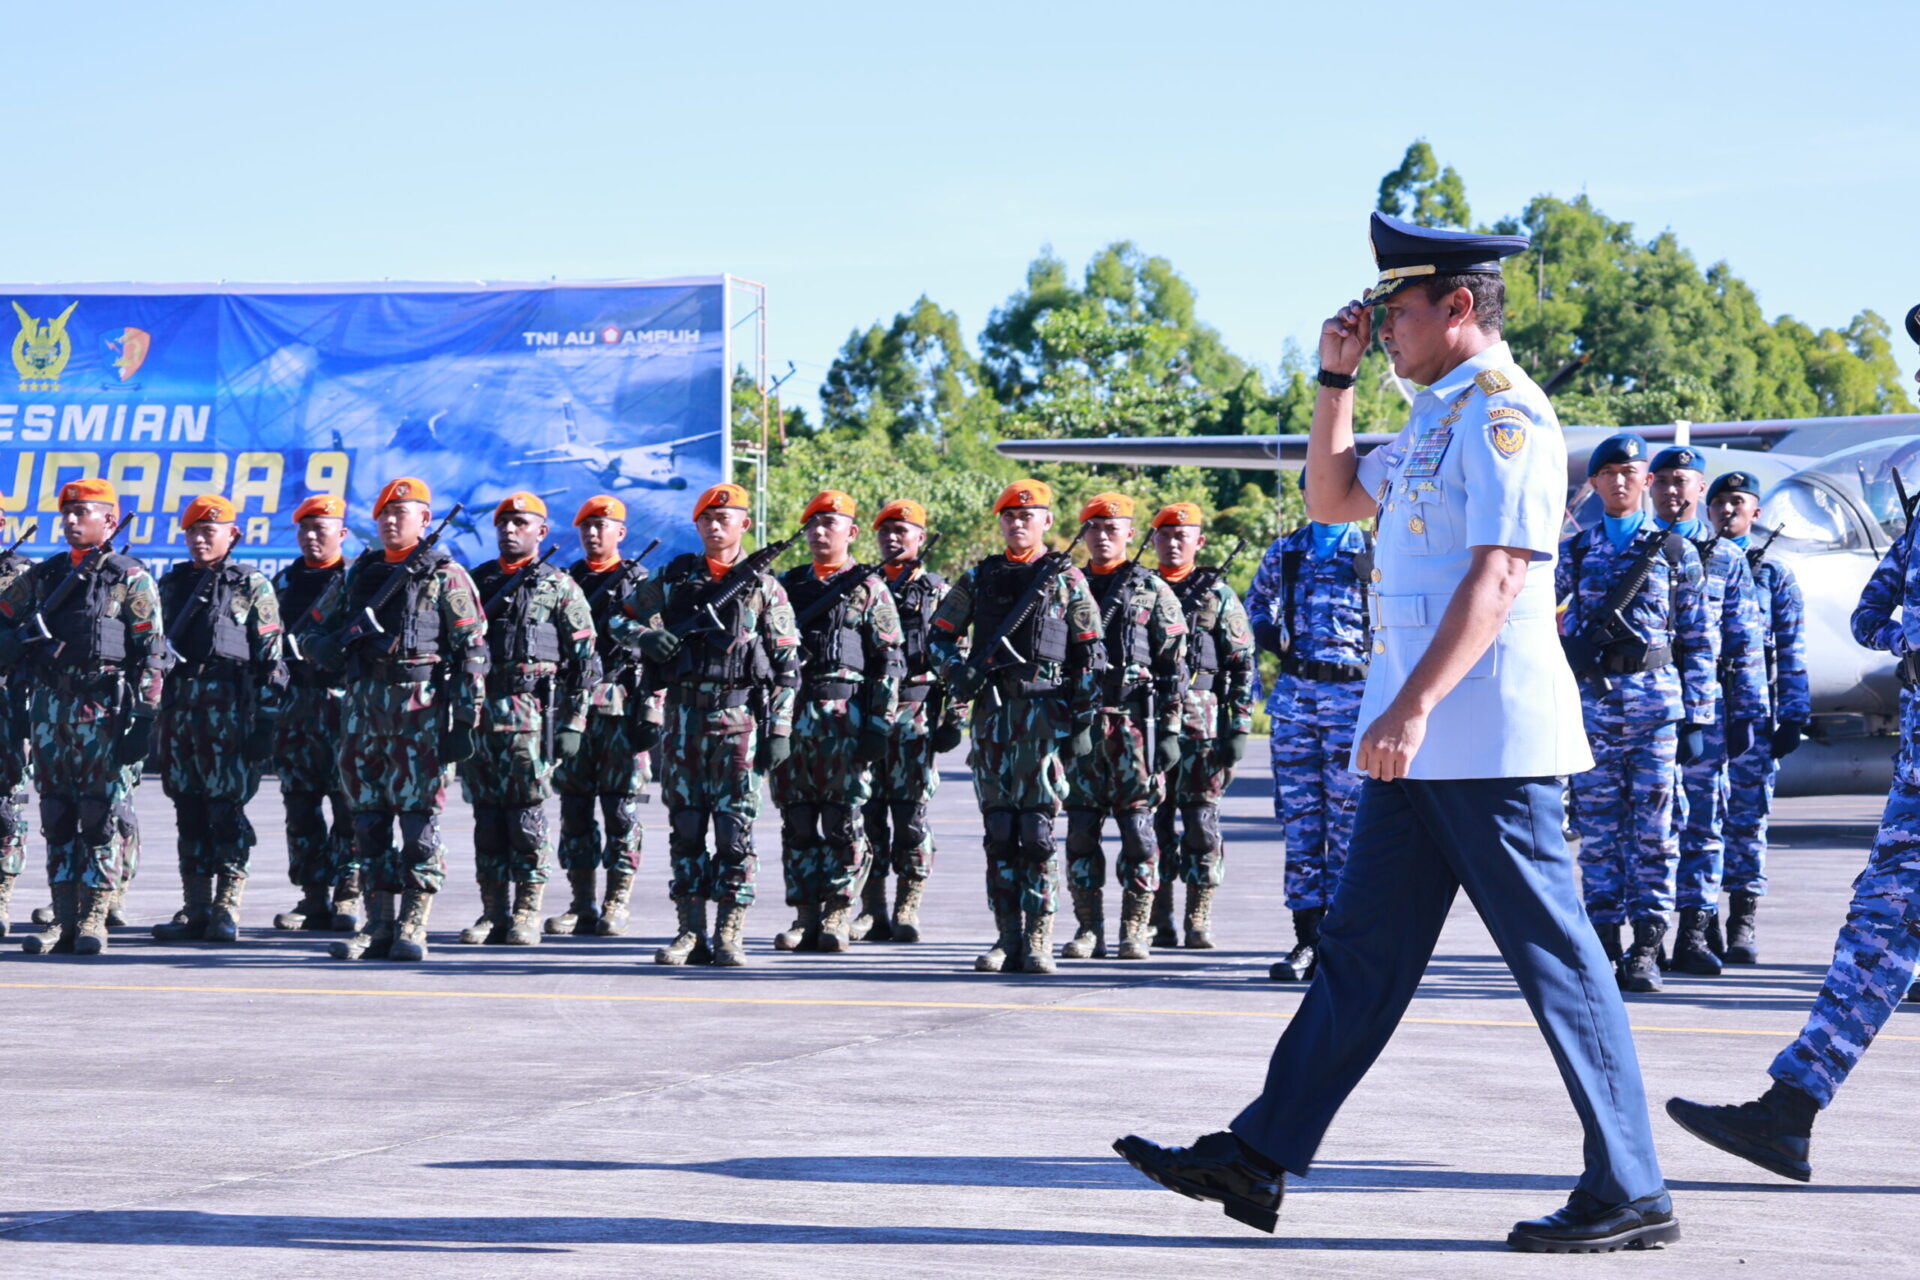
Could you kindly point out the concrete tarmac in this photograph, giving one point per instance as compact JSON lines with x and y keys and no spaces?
{"x":574,"y":1110}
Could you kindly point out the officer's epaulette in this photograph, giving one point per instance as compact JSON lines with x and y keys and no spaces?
{"x":1492,"y":381}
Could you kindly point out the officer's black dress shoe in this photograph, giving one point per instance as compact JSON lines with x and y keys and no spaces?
{"x":1773,"y":1131}
{"x":1218,"y":1167}
{"x":1585,"y":1225}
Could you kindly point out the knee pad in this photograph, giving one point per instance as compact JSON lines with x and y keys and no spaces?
{"x":911,"y":830}
{"x":305,"y":818}
{"x":1202,"y":822}
{"x":800,"y":825}
{"x":732,"y":837}
{"x":372,"y":835}
{"x":622,"y":815}
{"x":837,"y":825}
{"x":687,"y":827}
{"x":526,"y":828}
{"x":1000,"y":825}
{"x":1036,"y":835}
{"x":227,"y":823}
{"x":59,"y":818}
{"x":96,"y":826}
{"x":576,"y":817}
{"x":1136,"y":835}
{"x":1083,"y":833}
{"x":419,"y":835}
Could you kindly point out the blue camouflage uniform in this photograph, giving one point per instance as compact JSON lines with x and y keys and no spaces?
{"x":1751,"y":775}
{"x":1308,"y":604}
{"x":1623,"y":808}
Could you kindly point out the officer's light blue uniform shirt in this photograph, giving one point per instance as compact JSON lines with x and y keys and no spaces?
{"x":1480,"y":463}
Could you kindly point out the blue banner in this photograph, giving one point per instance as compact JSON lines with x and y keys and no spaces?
{"x":270,"y":394}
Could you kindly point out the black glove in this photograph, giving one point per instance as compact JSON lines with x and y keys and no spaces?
{"x":456,"y":744}
{"x":1692,"y":744}
{"x":1229,"y":749}
{"x":1267,"y":634}
{"x":1739,"y":738}
{"x":134,"y":742}
{"x":966,"y":682}
{"x":12,"y":648}
{"x":259,"y":744}
{"x":773,"y":753}
{"x":642,"y":735}
{"x":873,"y":744}
{"x":946,"y":738}
{"x":323,"y":651}
{"x":566,"y":743}
{"x":1167,"y":750}
{"x":1079,"y":743}
{"x":1786,"y":738}
{"x":658,"y":645}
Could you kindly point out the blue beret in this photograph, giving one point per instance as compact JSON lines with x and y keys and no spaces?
{"x":1913,"y":324}
{"x":1625,"y":447}
{"x":1404,"y":252}
{"x":1680,"y":455}
{"x":1734,"y":482}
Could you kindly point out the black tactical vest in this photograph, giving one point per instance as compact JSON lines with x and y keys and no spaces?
{"x":299,"y":588}
{"x":81,"y":629}
{"x":515,"y":637}
{"x":917,"y":600}
{"x":402,"y":615}
{"x":211,"y":634}
{"x":1128,"y":643}
{"x":1203,"y":647}
{"x":999,"y":583}
{"x":728,"y":656}
{"x":828,"y":642}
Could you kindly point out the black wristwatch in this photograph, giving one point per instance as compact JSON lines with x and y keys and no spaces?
{"x":1338,"y":381}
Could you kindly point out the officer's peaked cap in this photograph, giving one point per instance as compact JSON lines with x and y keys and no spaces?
{"x":1405,"y":252}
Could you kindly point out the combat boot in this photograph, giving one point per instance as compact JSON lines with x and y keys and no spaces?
{"x":43,"y":916}
{"x":873,"y":910}
{"x":1743,"y":942}
{"x":524,"y":929}
{"x":1716,"y":940}
{"x":906,"y":908}
{"x":90,"y":933}
{"x":1039,"y":943}
{"x":613,"y":911}
{"x":374,"y":938}
{"x":313,"y":911}
{"x":349,"y":910}
{"x":1640,"y":969}
{"x":804,"y":933}
{"x":1090,"y":926}
{"x":1299,"y":964}
{"x":410,"y":931}
{"x":223,"y":921}
{"x":581,"y":915}
{"x":6,"y":903}
{"x":1200,"y":917}
{"x":833,"y":926}
{"x":491,"y":927}
{"x":1008,"y":947}
{"x":117,"y":906}
{"x":1136,"y":914}
{"x":58,"y":935}
{"x":1690,"y":953}
{"x":1610,"y":943}
{"x":730,"y":923}
{"x":1163,"y":933}
{"x":1774,"y":1131}
{"x":190,"y":922}
{"x":689,"y":946}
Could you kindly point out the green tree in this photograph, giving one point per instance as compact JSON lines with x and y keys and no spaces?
{"x":1421,"y":191}
{"x":913,"y":376}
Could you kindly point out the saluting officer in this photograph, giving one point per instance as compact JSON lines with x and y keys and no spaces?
{"x":1733,"y":617}
{"x":416,"y":668}
{"x":927,"y":723}
{"x":1636,"y":635}
{"x":1216,"y":717}
{"x":1032,"y":675}
{"x":1136,"y":740}
{"x":1307,"y":605}
{"x":612,"y":767}
{"x":541,"y":670}
{"x":730,"y":688}
{"x":216,"y":722}
{"x":86,"y":624}
{"x":16,"y":762}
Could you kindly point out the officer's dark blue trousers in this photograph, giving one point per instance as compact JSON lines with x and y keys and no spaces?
{"x":1414,"y":844}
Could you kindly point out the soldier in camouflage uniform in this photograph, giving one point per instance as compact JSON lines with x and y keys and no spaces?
{"x":1037,"y":696}
{"x":850,"y":672}
{"x":320,"y":856}
{"x":1734,"y":499}
{"x":1733,"y":615}
{"x":86,"y":625}
{"x":16,"y":763}
{"x":1136,"y":739}
{"x":1646,"y":698}
{"x":1216,"y":717}
{"x":612,"y":767}
{"x":1307,"y":606}
{"x":927,"y":724}
{"x":216,"y":723}
{"x":542,"y":667}
{"x":728,"y":716}
{"x":416,"y":669}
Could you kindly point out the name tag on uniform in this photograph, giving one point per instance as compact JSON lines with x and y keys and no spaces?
{"x":1424,"y":459}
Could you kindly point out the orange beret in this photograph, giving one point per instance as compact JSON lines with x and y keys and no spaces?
{"x":1178,"y":513}
{"x":721,"y":495}
{"x":601,"y":504}
{"x":522,"y":503}
{"x":1107,"y":506}
{"x":902,"y":509}
{"x":321,"y":504}
{"x":829,"y":502}
{"x":1024,"y":493}
{"x":207,"y":506}
{"x":405,"y":489}
{"x":87,"y":491}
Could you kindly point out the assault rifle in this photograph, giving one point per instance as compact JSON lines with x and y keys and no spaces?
{"x":1120,"y":591}
{"x":1051,"y":566}
{"x":197,"y":604}
{"x":617,"y":585}
{"x":1609,"y":627}
{"x":515,"y":584}
{"x":14,"y":549}
{"x":744,"y":573}
{"x":80,"y":575}
{"x":367,"y":625}
{"x":1756,"y":554}
{"x":856,"y":575}
{"x":1205,"y":577}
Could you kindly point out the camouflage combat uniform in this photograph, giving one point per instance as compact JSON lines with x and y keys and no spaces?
{"x":542,"y":667}
{"x":850,"y":671}
{"x":1623,"y":808}
{"x":607,"y":771}
{"x":102,"y":670}
{"x":1750,"y":776}
{"x":725,"y":691}
{"x":898,"y":830}
{"x":1216,"y":717}
{"x":213,"y":735}
{"x":424,"y":671}
{"x":1146,"y":647}
{"x":1019,"y":721}
{"x":16,"y":763}
{"x":320,"y":857}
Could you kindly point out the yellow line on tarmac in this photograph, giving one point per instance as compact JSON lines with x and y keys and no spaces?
{"x":798,"y":1002}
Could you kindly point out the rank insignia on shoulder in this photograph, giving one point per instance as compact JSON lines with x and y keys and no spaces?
{"x":1508,"y":440}
{"x":1492,"y":381}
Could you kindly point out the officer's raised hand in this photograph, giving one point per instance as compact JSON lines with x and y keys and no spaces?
{"x":1344,"y":338}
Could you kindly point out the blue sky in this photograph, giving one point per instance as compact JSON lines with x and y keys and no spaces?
{"x":855,"y":156}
